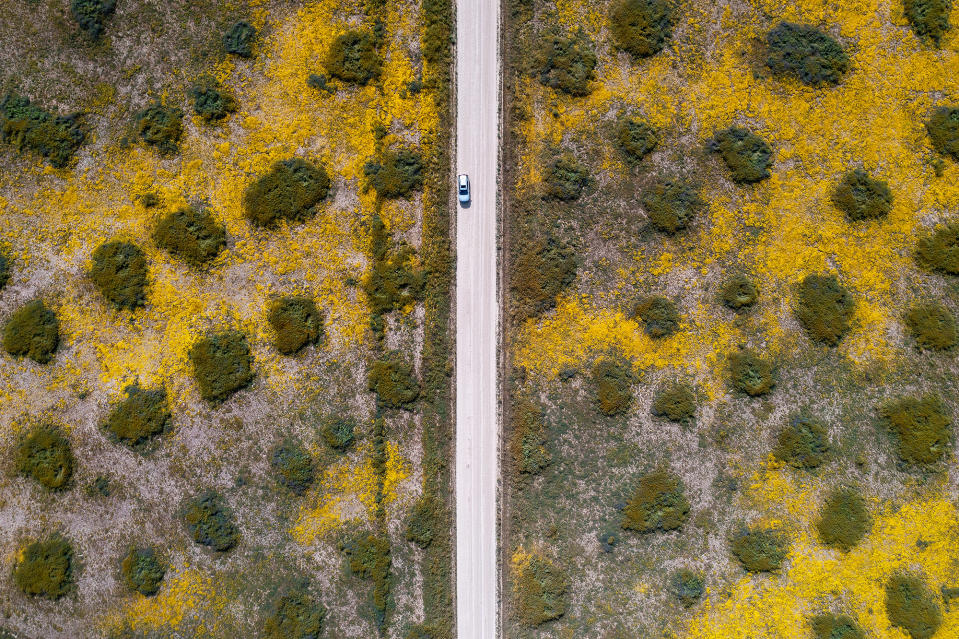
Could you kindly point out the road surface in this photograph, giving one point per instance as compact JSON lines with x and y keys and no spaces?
{"x":477,"y":432}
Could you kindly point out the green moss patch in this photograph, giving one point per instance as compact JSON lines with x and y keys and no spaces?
{"x":543,"y":269}
{"x":932,"y":326}
{"x":296,"y":322}
{"x":292,"y":466}
{"x":222,"y":364}
{"x":612,"y":380}
{"x":120,"y":273}
{"x":943,"y":128}
{"x":843,"y":520}
{"x":421,"y":525}
{"x":212,"y":103}
{"x":338,"y":432}
{"x":161,"y":127}
{"x":565,"y":179}
{"x":28,"y":127}
{"x":687,"y":586}
{"x":862,"y":197}
{"x":912,"y":606}
{"x":635,"y":139}
{"x":92,"y":15}
{"x":45,"y":568}
{"x":394,"y":381}
{"x":527,"y":441}
{"x":824,"y":308}
{"x":139,"y":417}
{"x":922,"y":428}
{"x":369,"y":557}
{"x":143,"y":570}
{"x":238,"y":40}
{"x":659,"y":503}
{"x":642,"y":27}
{"x":540,"y":592}
{"x":395,"y":280}
{"x":396,"y":173}
{"x":746,"y":154}
{"x":760,"y":550}
{"x":296,"y":614}
{"x":939,"y":249}
{"x":750,"y":373}
{"x":739,"y":293}
{"x":289,"y":191}
{"x":805,"y":53}
{"x":6,"y":266}
{"x":192,"y":235}
{"x":565,"y":62}
{"x":659,"y":315}
{"x":32,"y":331}
{"x":44,"y":454}
{"x":353,"y":58}
{"x":833,"y":626}
{"x":929,"y":19}
{"x":676,"y":402}
{"x":210,"y":521}
{"x":803,"y":443}
{"x":672,"y":205}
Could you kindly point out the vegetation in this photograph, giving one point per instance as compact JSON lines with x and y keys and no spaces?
{"x":760,"y":550}
{"x":922,"y":428}
{"x":212,"y":103}
{"x":672,"y":205}
{"x":929,"y":19}
{"x":540,"y":592}
{"x":543,"y":269}
{"x":844,"y":519}
{"x":338,"y":432}
{"x":238,"y":40}
{"x":296,"y":321}
{"x":394,"y":381}
{"x":368,"y":557}
{"x":806,"y":53}
{"x":862,"y":197}
{"x":659,"y":503}
{"x":191,"y":234}
{"x":635,"y":139}
{"x":288,"y":191}
{"x":642,"y":27}
{"x":739,"y":293}
{"x":422,"y":522}
{"x":120,"y":273}
{"x":687,"y":586}
{"x":143,"y":570}
{"x":932,"y":326}
{"x":527,"y":442}
{"x":395,"y":280}
{"x":32,"y":331}
{"x":160,"y":127}
{"x":912,"y":606}
{"x":565,"y":179}
{"x":824,"y":308}
{"x":210,"y":521}
{"x":292,"y":466}
{"x":612,"y":379}
{"x":803,"y":443}
{"x":222,"y":364}
{"x":658,"y":314}
{"x":5,"y":268}
{"x":939,"y":250}
{"x":297,"y":614}
{"x":28,"y":127}
{"x":396,"y":174}
{"x":751,"y":374}
{"x":943,"y":128}
{"x":92,"y":14}
{"x":565,"y":62}
{"x":831,"y":626}
{"x":746,"y":154}
{"x":353,"y":58}
{"x":46,"y":568}
{"x":676,"y":402}
{"x":44,"y":454}
{"x":139,"y":417}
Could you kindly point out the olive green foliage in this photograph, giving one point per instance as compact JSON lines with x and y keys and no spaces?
{"x":161,"y":127}
{"x":929,"y":19}
{"x":658,"y":503}
{"x":415,"y":632}
{"x":5,"y":268}
{"x":320,"y":82}
{"x":120,"y":273}
{"x":612,"y":380}
{"x":292,"y":466}
{"x":353,"y":58}
{"x":46,"y":568}
{"x":395,"y":280}
{"x":369,"y":557}
{"x":687,"y":586}
{"x":824,"y":308}
{"x":288,"y":191}
{"x":566,"y":179}
{"x":422,"y":521}
{"x":212,"y":103}
{"x":91,"y":14}
{"x":862,"y":197}
{"x":912,"y":606}
{"x":139,"y":417}
{"x":210,"y":521}
{"x":676,"y":402}
{"x":939,"y":250}
{"x":565,"y":62}
{"x":642,"y":27}
{"x":338,"y":432}
{"x":746,"y":154}
{"x":805,"y":53}
{"x":760,"y":550}
{"x":932,"y":326}
{"x":394,"y":381}
{"x":143,"y":570}
{"x":803,"y":443}
{"x":672,"y":205}
{"x":658,"y":314}
{"x":922,"y":428}
{"x":832,"y":626}
{"x":222,"y":364}
{"x":32,"y":331}
{"x":635,"y":139}
{"x":739,"y":292}
{"x":544,"y":268}
{"x":296,"y":321}
{"x":44,"y":454}
{"x":238,"y":40}
{"x":527,"y":442}
{"x":751,"y":374}
{"x":396,"y":173}
{"x":943,"y":128}
{"x":844,"y":519}
{"x":28,"y":127}
{"x":191,"y":234}
{"x":296,"y":614}
{"x":540,"y":592}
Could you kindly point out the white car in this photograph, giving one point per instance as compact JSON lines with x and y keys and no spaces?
{"x":463,"y":188}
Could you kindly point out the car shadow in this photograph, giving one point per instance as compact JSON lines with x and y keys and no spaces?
{"x":466,"y":205}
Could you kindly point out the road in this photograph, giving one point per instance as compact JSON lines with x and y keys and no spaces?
{"x":477,"y":315}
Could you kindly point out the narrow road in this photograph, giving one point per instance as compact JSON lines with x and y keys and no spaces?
{"x":477,"y":314}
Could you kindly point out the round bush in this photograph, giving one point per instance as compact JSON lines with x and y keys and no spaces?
{"x":139,"y":417}
{"x":672,"y":205}
{"x":353,"y":58}
{"x":832,"y":626}
{"x":939,"y":250}
{"x":861,"y":197}
{"x":922,"y":428}
{"x":746,"y":154}
{"x":943,"y":128}
{"x":92,"y":14}
{"x":932,"y":326}
{"x":676,"y":402}
{"x":565,"y":179}
{"x":222,"y":364}
{"x":44,"y":454}
{"x":642,"y":27}
{"x":659,"y":315}
{"x":396,"y":174}
{"x":806,"y":53}
{"x":210,"y":521}
{"x":394,"y":381}
{"x":912,"y":606}
{"x":292,"y":466}
{"x":212,"y":104}
{"x":5,"y":268}
{"x":540,"y":592}
{"x":288,"y":191}
{"x":635,"y":139}
{"x":929,"y":19}
{"x":295,"y":615}
{"x":844,"y":519}
{"x":659,"y":503}
{"x":160,"y":127}
{"x":751,"y":374}
{"x":143,"y":571}
{"x":338,"y":432}
{"x":739,"y":293}
{"x":803,"y":443}
{"x":824,"y":308}
{"x":687,"y":586}
{"x":612,"y":380}
{"x":120,"y":273}
{"x":238,"y":40}
{"x":45,"y":568}
{"x":32,"y":331}
{"x":30,"y":127}
{"x":191,"y":235}
{"x":760,"y":550}
{"x":297,"y":322}
{"x":565,"y":62}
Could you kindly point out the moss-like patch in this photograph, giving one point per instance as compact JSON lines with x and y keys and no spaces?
{"x":32,"y":331}
{"x":353,"y":58}
{"x":222,"y":364}
{"x":932,"y":326}
{"x":394,"y":381}
{"x":395,"y":280}
{"x":212,"y":103}
{"x":929,"y":19}
{"x":746,"y":154}
{"x":672,"y":205}
{"x":658,"y":503}
{"x":338,"y":432}
{"x":687,"y":586}
{"x":210,"y":521}
{"x":659,"y":315}
{"x":292,"y":466}
{"x":565,"y":179}
{"x":238,"y":40}
{"x":824,"y":308}
{"x":418,"y":631}
{"x":922,"y":428}
{"x":540,"y":592}
{"x":760,"y":550}
{"x":543,"y":269}
{"x":44,"y":454}
{"x":943,"y":128}
{"x":29,"y":127}
{"x":862,"y":197}
{"x":423,"y":520}
{"x":397,"y":173}
{"x":642,"y":27}
{"x":289,"y":191}
{"x":805,"y":53}
{"x":739,"y":293}
{"x":92,"y":15}
{"x":191,"y":234}
{"x":803,"y":443}
{"x":6,"y":266}
{"x":296,"y":614}
{"x":750,"y":373}
{"x":635,"y":139}
{"x":160,"y":127}
{"x":370,"y":557}
{"x":45,"y":568}
{"x":143,"y":570}
{"x":832,"y":626}
{"x":120,"y":273}
{"x":527,"y":440}
{"x":296,"y":322}
{"x":939,"y":250}
{"x":676,"y":402}
{"x":844,"y":519}
{"x":139,"y":417}
{"x":612,"y":380}
{"x":565,"y":62}
{"x":912,"y":606}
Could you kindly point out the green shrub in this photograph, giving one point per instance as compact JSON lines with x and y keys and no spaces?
{"x":862,"y":197}
{"x":676,"y":402}
{"x":922,"y":428}
{"x":760,"y":550}
{"x":844,"y":519}
{"x":642,"y":27}
{"x":423,"y":520}
{"x":932,"y":326}
{"x":5,"y":268}
{"x":211,"y":103}
{"x":803,"y":443}
{"x":659,"y":503}
{"x":658,"y":314}
{"x":912,"y":606}
{"x":120,"y":273}
{"x":32,"y":331}
{"x":394,"y":381}
{"x":160,"y":127}
{"x":191,"y":235}
{"x":396,"y":174}
{"x":289,"y":191}
{"x":565,"y":62}
{"x":746,"y":154}
{"x":210,"y":521}
{"x":739,"y":293}
{"x":609,"y":537}
{"x":143,"y":570}
{"x":395,"y":280}
{"x":353,"y":58}
{"x":46,"y":568}
{"x":939,"y":250}
{"x":295,"y":615}
{"x":320,"y":82}
{"x":943,"y":128}
{"x":369,"y":557}
{"x":929,"y":19}
{"x":832,"y":626}
{"x":28,"y":127}
{"x":540,"y":592}
{"x":416,"y":632}
{"x":543,"y":269}
{"x":139,"y":417}
{"x":222,"y":364}
{"x":527,"y":442}
{"x":672,"y":205}
{"x":297,"y":322}
{"x":751,"y":374}
{"x":635,"y":139}
{"x":44,"y":454}
{"x":338,"y":432}
{"x":806,"y":53}
{"x":687,"y":586}
{"x":612,"y":379}
{"x":292,"y":466}
{"x":91,"y":14}
{"x":824,"y":308}
{"x":565,"y":179}
{"x":238,"y":40}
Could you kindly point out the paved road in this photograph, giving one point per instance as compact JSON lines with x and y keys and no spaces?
{"x":477,"y":433}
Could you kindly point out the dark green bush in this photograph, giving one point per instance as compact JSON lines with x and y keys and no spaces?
{"x":635,"y":139}
{"x":922,"y":428}
{"x":91,"y":14}
{"x":238,"y":40}
{"x":832,"y":626}
{"x":297,"y":322}
{"x":746,"y":154}
{"x":658,"y":314}
{"x":932,"y":326}
{"x":292,"y":466}
{"x":5,"y":268}
{"x":543,"y":269}
{"x":609,"y":537}
{"x":395,"y":279}
{"x":120,"y":273}
{"x":338,"y":432}
{"x":943,"y":128}
{"x":44,"y":454}
{"x":29,"y":127}
{"x":565,"y":179}
{"x":369,"y":557}
{"x":527,"y":441}
{"x":803,"y":443}
{"x":396,"y":173}
{"x":824,"y":308}
{"x":676,"y":402}
{"x":844,"y":519}
{"x":210,"y":521}
{"x":320,"y":82}
{"x":862,"y":197}
{"x":289,"y":191}
{"x":295,"y":615}
{"x":806,"y":53}
{"x":222,"y":364}
{"x":353,"y":58}
{"x":540,"y":592}
{"x":912,"y":606}
{"x":46,"y":568}
{"x":739,"y":293}
{"x":139,"y":417}
{"x":939,"y":250}
{"x":160,"y":127}
{"x":659,"y":503}
{"x":751,"y":374}
{"x":423,"y":520}
{"x":416,"y":632}
{"x":192,"y":235}
{"x":672,"y":205}
{"x":612,"y":379}
{"x":642,"y":27}
{"x":565,"y":62}
{"x":32,"y":331}
{"x":687,"y":586}
{"x":394,"y":381}
{"x":760,"y":550}
{"x":143,"y":570}
{"x":929,"y":18}
{"x":211,"y":103}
